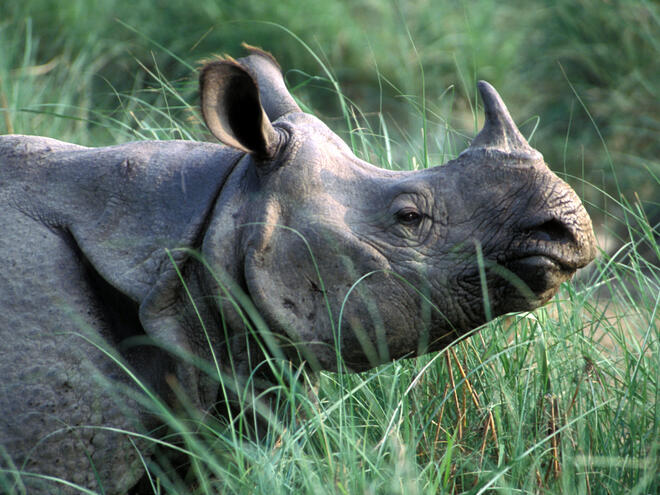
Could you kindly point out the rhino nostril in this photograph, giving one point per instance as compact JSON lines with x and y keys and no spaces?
{"x":552,"y":230}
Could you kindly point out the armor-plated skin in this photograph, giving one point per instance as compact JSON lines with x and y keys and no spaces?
{"x":333,"y":252}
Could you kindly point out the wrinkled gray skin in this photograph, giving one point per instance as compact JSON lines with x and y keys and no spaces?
{"x":84,"y":233}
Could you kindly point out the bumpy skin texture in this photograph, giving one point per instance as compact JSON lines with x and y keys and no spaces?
{"x":332,"y":251}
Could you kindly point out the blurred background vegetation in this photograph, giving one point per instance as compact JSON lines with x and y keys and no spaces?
{"x":581,"y":77}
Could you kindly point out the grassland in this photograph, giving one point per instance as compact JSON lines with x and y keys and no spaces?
{"x":562,"y":400}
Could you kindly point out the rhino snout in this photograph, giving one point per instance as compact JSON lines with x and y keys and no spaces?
{"x":550,"y":248}
{"x":570,"y":243}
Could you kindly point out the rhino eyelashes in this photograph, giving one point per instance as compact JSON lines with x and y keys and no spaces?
{"x":409,"y":217}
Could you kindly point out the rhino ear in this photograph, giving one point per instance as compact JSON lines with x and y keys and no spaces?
{"x":232,"y":109}
{"x":275,"y":97}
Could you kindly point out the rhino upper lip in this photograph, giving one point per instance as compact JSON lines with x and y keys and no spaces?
{"x":561,"y":255}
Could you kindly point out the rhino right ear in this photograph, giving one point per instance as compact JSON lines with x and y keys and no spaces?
{"x":275,"y":97}
{"x":232,"y":109}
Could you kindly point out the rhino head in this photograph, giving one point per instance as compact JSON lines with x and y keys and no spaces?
{"x":337,"y":253}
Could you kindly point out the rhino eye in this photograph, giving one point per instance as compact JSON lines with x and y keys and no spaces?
{"x":408,"y":217}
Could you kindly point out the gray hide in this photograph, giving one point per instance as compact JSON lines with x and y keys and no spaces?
{"x":334,"y":253}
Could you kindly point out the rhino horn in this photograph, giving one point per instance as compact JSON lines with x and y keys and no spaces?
{"x":500,"y":132}
{"x":275,"y":98}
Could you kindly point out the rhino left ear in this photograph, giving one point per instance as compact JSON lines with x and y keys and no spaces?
{"x":232,"y":109}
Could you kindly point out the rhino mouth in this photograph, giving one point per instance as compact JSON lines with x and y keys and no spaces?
{"x":541,"y":272}
{"x":545,"y":255}
{"x":537,"y":267}
{"x":562,"y":245}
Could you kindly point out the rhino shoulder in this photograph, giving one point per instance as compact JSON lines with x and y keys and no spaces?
{"x":124,"y":205}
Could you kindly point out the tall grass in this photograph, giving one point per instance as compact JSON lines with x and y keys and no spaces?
{"x":561,"y":400}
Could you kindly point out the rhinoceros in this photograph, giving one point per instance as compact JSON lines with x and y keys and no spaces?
{"x":137,"y":254}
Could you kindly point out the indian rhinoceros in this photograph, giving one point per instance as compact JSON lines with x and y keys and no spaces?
{"x":157,"y":239}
